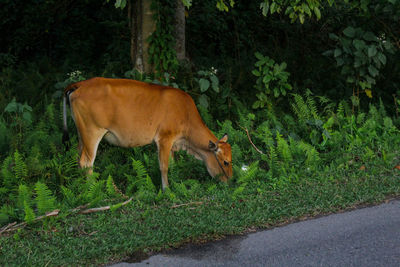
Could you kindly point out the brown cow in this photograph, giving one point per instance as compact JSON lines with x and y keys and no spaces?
{"x":130,"y":113}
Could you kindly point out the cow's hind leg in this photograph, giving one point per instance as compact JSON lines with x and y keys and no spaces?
{"x":164,"y":150}
{"x":89,"y":142}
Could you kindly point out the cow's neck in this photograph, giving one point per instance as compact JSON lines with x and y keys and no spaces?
{"x":199,"y":138}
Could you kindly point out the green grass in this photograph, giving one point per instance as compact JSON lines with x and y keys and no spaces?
{"x":141,"y":228}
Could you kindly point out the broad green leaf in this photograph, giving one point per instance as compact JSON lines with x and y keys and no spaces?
{"x":214,"y":83}
{"x":273,"y":8}
{"x":350,"y":79}
{"x":359,"y":44}
{"x":260,"y":63}
{"x":204,"y":84}
{"x":264,"y":6}
{"x":373,"y":71}
{"x":357,"y":62}
{"x":258,"y":55}
{"x":267,"y":79}
{"x":317,"y":13}
{"x":202,"y":72}
{"x":339,"y":61}
{"x":349,"y":32}
{"x":368,"y":92}
{"x":203,"y":101}
{"x":301,"y":18}
{"x":382,"y":58}
{"x":256,"y":104}
{"x":369,"y":79}
{"x":369,"y":36}
{"x":327,"y":53}
{"x":333,"y":36}
{"x":256,"y":73}
{"x":12,"y":106}
{"x":276,"y":92}
{"x":372,"y":51}
{"x":337,"y":52}
{"x":187,"y":3}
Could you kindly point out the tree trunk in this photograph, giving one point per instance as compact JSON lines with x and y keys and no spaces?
{"x":179,"y":30}
{"x":142,"y":25}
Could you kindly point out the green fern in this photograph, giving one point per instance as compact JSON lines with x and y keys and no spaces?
{"x":312,"y":155}
{"x":29,"y":213}
{"x":95,"y":189}
{"x":300,"y":108}
{"x":142,"y":179}
{"x":311,"y":105}
{"x":8,"y":178}
{"x":20,"y":169}
{"x":45,"y":201}
{"x":139,"y":168}
{"x":110,"y":188}
{"x":181,"y":189}
{"x":249,"y":174}
{"x":7,"y":212}
{"x":24,"y":195}
{"x":69,"y":197}
{"x":272,"y":158}
{"x":283,"y":149}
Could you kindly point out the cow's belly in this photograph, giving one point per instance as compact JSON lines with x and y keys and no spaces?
{"x":131,"y":139}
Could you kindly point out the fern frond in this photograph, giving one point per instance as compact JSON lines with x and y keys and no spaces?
{"x":45,"y":201}
{"x":9,"y":211}
{"x":95,"y":189}
{"x":300,"y":108}
{"x":29,"y":213}
{"x":249,"y":174}
{"x":139,"y":168}
{"x":181,"y":189}
{"x":7,"y":175}
{"x":24,"y":195}
{"x":283,"y":149}
{"x":20,"y":169}
{"x":69,"y":196}
{"x":311,"y":105}
{"x":311,"y":153}
{"x":273,"y":158}
{"x":110,"y":188}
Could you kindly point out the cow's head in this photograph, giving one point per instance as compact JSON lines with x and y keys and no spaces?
{"x":219,"y":162}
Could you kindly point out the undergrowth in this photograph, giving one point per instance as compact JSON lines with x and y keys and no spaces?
{"x":320,"y":137}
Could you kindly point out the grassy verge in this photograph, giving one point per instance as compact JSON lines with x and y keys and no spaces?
{"x":141,"y":228}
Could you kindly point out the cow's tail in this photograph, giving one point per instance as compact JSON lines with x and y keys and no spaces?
{"x":70,"y":88}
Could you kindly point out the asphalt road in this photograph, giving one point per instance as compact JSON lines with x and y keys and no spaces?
{"x":363,"y":237}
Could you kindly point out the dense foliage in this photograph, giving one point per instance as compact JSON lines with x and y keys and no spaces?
{"x":315,"y":98}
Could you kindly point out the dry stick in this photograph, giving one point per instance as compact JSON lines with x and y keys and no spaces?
{"x":187,"y":204}
{"x":7,"y":226}
{"x":251,"y":142}
{"x":103,"y":208}
{"x":23,"y":224}
{"x":13,"y":226}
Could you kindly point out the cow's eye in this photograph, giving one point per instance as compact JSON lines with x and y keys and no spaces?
{"x":226,"y":163}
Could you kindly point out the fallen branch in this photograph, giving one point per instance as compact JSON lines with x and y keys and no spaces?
{"x":187,"y":204}
{"x":251,"y":142}
{"x":7,"y":226}
{"x":79,"y":208}
{"x":13,"y":226}
{"x":103,"y":208}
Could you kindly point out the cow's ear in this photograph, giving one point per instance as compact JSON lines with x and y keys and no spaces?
{"x":224,"y":138}
{"x":212,"y":146}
